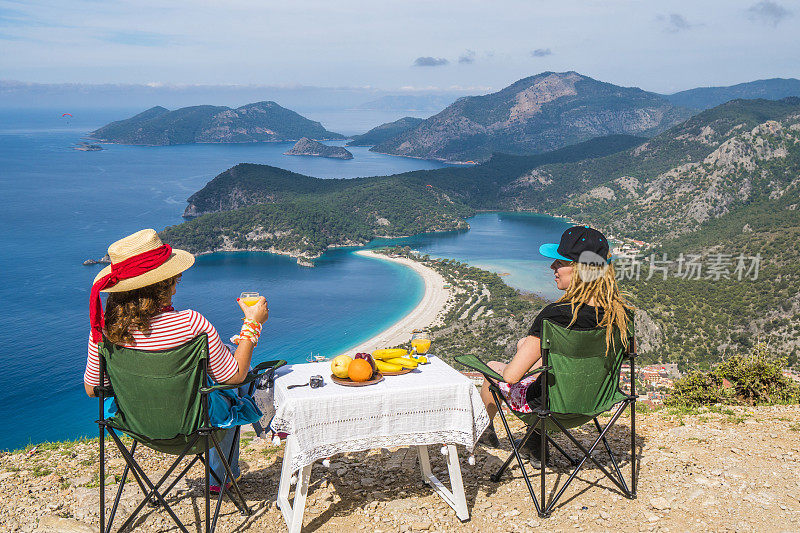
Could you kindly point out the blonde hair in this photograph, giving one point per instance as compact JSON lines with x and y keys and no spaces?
{"x":599,"y":282}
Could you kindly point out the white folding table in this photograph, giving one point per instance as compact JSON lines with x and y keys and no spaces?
{"x":435,"y":404}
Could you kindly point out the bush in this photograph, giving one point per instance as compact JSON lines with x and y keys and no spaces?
{"x":755,"y":379}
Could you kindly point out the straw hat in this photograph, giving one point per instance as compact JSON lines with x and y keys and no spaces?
{"x":140,"y":242}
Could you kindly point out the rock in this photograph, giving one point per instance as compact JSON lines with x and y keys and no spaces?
{"x":367,"y":481}
{"x":659,"y":503}
{"x":57,"y":524}
{"x":82,"y":480}
{"x":422,"y":525}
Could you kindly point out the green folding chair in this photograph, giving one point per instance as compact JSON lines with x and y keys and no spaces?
{"x":162,"y":402}
{"x":582,"y":381}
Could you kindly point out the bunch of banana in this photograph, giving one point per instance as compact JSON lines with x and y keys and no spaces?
{"x":393,"y":360}
{"x":384,"y":366}
{"x":388,"y":353}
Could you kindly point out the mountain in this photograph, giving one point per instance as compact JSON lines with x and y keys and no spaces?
{"x":384,"y":132}
{"x":535,"y":115}
{"x":258,"y":122}
{"x":708,"y":97}
{"x":677,"y":180}
{"x":306,"y":146}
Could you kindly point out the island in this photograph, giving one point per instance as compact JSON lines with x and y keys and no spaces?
{"x":257,"y":122}
{"x":84,"y":146}
{"x":306,"y":146}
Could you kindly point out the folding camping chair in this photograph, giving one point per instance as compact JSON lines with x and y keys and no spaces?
{"x":582,"y":381}
{"x":162,"y":402}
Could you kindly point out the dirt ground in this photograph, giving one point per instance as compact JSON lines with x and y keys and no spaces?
{"x":727,"y":469}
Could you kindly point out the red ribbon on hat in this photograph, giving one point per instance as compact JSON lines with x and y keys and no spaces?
{"x":129,"y":268}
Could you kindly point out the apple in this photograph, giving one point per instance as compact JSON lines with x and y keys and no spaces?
{"x":339,"y":366}
{"x":368,"y":358}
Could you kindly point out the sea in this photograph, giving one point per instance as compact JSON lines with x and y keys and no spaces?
{"x":61,"y":206}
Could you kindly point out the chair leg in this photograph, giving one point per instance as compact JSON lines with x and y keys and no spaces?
{"x":633,"y":449}
{"x":611,"y":456}
{"x":561,"y":450}
{"x":120,"y":489}
{"x":528,"y":434}
{"x":206,"y":488}
{"x":542,"y":461}
{"x":102,"y":442}
{"x":587,"y":455}
{"x":154,"y":492}
{"x":229,"y":473}
{"x":516,"y":453}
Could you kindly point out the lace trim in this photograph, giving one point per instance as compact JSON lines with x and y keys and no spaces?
{"x":307,"y":457}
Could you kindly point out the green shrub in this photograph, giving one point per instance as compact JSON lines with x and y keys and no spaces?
{"x":755,"y":379}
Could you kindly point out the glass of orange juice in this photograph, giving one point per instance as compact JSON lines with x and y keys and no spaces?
{"x":249,"y":298}
{"x":421,"y":342}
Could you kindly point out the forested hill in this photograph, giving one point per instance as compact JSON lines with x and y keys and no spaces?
{"x":479,"y":187}
{"x":258,"y":122}
{"x":671,"y":184}
{"x":708,"y":97}
{"x":384,"y":132}
{"x":534,"y":115}
{"x":259,"y":207}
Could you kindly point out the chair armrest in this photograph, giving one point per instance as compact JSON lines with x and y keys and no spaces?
{"x":107,"y":391}
{"x":474,"y":362}
{"x":259,"y":370}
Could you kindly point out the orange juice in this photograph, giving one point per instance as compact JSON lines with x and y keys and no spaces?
{"x":421,"y":345}
{"x":249,"y":298}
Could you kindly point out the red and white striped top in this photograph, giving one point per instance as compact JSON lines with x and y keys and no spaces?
{"x":169,"y":330}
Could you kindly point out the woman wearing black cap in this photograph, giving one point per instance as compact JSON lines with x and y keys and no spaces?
{"x":583,"y":270}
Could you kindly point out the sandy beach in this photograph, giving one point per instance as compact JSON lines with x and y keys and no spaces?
{"x":422,"y":316}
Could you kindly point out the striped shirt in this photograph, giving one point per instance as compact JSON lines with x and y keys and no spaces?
{"x":169,"y":330}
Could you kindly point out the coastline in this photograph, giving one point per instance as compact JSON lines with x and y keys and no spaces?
{"x":433,"y":302}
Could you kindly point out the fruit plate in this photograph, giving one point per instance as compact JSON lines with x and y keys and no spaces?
{"x":347,"y":382}
{"x":398,"y":373}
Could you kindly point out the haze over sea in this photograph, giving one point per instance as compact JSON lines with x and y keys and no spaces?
{"x":61,"y":207}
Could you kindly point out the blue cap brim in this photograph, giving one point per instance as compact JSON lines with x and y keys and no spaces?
{"x":550,"y":250}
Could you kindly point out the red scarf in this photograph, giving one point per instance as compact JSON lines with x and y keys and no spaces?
{"x":129,"y":268}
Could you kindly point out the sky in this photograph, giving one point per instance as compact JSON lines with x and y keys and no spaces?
{"x":409,"y":45}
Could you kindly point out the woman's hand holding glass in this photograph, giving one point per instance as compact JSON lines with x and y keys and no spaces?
{"x":258,"y":311}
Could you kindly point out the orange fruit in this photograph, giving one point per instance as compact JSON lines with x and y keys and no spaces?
{"x":359,"y":370}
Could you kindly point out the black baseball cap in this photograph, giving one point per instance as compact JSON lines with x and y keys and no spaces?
{"x":579,"y":243}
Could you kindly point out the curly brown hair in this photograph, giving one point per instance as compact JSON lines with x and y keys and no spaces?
{"x":129,"y":311}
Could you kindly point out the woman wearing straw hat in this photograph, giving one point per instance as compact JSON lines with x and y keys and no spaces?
{"x":140,"y":283}
{"x":582,"y":269}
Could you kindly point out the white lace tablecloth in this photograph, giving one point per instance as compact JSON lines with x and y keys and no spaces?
{"x":433,"y":405}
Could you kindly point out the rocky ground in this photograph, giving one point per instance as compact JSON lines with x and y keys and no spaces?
{"x":727,"y":469}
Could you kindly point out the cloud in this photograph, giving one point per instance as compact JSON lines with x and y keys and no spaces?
{"x":674,"y":23}
{"x":428,"y":61}
{"x":467,"y":58}
{"x":768,"y":12}
{"x":137,"y":38}
{"x":541,"y":52}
